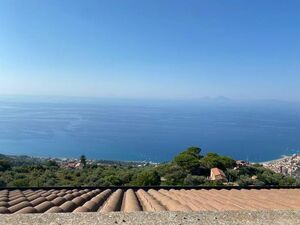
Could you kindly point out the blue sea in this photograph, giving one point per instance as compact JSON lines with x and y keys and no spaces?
{"x":147,"y":129}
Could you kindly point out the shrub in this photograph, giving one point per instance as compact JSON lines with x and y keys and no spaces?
{"x":194,"y":180}
{"x":4,"y":165}
{"x":147,"y":178}
{"x":2,"y":183}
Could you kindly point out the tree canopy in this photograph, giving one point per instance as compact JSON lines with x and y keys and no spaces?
{"x":187,"y":168}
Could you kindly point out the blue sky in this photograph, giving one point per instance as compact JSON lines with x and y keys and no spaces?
{"x":151,"y":49}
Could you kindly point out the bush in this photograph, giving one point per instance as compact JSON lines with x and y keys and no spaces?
{"x":2,"y":183}
{"x":4,"y":165}
{"x":249,"y":171}
{"x":270,"y":178}
{"x":21,"y":182}
{"x":147,"y":178}
{"x":113,"y":180}
{"x":194,"y":180}
{"x":232,"y":175}
{"x":173,"y":175}
{"x":258,"y":183}
{"x":52,"y":164}
{"x":288,"y":181}
{"x":245,"y":180}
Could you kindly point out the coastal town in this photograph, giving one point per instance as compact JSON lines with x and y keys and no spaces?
{"x":288,"y":165}
{"x":71,"y":163}
{"x":74,"y":163}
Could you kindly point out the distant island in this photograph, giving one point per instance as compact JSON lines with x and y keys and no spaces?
{"x":188,"y":168}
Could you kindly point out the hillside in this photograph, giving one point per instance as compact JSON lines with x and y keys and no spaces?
{"x":186,"y":169}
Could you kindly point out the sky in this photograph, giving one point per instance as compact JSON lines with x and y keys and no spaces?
{"x":160,"y":49}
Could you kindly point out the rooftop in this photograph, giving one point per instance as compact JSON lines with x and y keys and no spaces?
{"x":19,"y":201}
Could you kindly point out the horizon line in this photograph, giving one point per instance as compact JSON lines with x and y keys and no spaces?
{"x":200,"y":98}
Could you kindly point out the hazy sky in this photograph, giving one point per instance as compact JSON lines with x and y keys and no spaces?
{"x":148,"y":48}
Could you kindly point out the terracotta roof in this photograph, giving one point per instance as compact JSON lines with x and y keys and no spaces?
{"x":217,"y":172}
{"x":128,"y":200}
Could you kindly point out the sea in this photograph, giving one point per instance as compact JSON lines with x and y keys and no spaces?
{"x":148,"y":130}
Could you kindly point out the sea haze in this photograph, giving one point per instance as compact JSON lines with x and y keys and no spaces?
{"x":148,"y":130}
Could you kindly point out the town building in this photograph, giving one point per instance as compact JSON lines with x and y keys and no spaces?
{"x":218,"y":175}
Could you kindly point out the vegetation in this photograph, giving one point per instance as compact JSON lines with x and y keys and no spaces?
{"x":187,"y":168}
{"x":83,"y":160}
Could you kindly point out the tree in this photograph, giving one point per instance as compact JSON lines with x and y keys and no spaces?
{"x":248,"y":170}
{"x":4,"y":165}
{"x":270,"y":178}
{"x":228,"y":162}
{"x":245,"y":181}
{"x":83,"y":160}
{"x":288,"y":180}
{"x":147,"y":178}
{"x":113,"y":180}
{"x":21,"y":182}
{"x":52,"y":164}
{"x":232,"y":175}
{"x":186,"y":161}
{"x":194,"y":180}
{"x":2,"y":183}
{"x":194,"y":151}
{"x":212,"y":160}
{"x":175,"y":175}
{"x":189,"y":159}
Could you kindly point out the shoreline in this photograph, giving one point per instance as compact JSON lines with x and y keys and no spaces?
{"x":109,"y":161}
{"x":283,"y":157}
{"x":276,"y":160}
{"x":68,"y":159}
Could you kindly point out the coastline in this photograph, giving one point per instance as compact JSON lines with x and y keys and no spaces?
{"x":62,"y":160}
{"x":282,"y":157}
{"x":123,"y":162}
{"x":287,"y":165}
